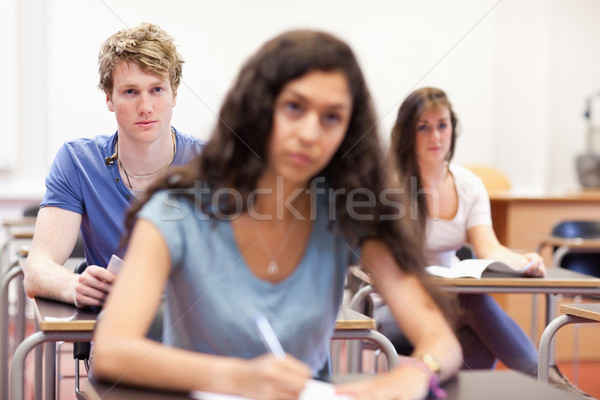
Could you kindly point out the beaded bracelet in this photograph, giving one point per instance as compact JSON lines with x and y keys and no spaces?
{"x":435,"y":389}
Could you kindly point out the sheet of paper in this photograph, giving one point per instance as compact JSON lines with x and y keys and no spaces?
{"x":114,"y":265}
{"x":473,"y":268}
{"x":315,"y":390}
{"x":56,"y":319}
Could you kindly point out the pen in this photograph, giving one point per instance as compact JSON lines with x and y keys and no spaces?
{"x":268,"y":336}
{"x":529,"y":265}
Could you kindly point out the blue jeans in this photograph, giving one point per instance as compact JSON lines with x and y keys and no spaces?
{"x":486,"y":333}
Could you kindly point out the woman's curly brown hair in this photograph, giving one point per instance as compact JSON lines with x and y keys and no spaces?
{"x":236,"y":154}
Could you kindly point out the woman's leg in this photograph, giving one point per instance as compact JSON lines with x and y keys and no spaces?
{"x":502,"y":336}
{"x":476,"y":355}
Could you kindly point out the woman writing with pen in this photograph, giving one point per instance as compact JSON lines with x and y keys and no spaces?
{"x":266,"y":221}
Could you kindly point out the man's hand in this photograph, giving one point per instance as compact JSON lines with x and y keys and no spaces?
{"x":92,"y":286}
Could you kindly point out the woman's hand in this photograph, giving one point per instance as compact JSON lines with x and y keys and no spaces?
{"x":405,"y":382}
{"x":537,"y":268}
{"x":267,"y":377}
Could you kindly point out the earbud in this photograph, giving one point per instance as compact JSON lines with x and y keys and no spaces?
{"x":110,"y":160}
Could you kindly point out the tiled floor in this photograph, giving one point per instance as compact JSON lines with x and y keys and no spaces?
{"x":586,"y":376}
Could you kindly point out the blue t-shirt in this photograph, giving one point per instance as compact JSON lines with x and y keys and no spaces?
{"x":81,"y":181}
{"x":212,"y":296}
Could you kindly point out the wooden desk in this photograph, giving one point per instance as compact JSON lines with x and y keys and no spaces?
{"x":572,"y":313}
{"x":520,"y":222}
{"x":567,"y":245}
{"x":468,"y":385}
{"x":57,"y":316}
{"x":590,"y":311}
{"x":576,"y":243}
{"x":56,"y":321}
{"x":556,"y":281}
{"x":14,"y":272}
{"x":352,"y":325}
{"x":350,"y":319}
{"x":12,"y":237}
{"x":18,"y":222}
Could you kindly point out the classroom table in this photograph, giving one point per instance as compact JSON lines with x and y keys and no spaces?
{"x":566,"y":245}
{"x":516,"y":216}
{"x":15,"y":230}
{"x":572,"y":314}
{"x":352,"y":325}
{"x":520,"y":222}
{"x":467,"y":385}
{"x":15,"y":272}
{"x":556,"y":281}
{"x":57,"y":321}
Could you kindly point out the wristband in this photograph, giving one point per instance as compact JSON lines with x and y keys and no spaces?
{"x":432,"y":368}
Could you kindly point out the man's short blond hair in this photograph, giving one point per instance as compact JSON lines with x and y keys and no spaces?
{"x":151,"y":48}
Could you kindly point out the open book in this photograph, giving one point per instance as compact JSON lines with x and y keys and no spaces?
{"x":473,"y":268}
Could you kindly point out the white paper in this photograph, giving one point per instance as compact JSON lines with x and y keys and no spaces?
{"x":472,"y":268}
{"x":114,"y":265}
{"x":56,"y":319}
{"x":314,"y":390}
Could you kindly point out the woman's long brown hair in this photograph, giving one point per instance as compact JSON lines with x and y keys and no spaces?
{"x":236,"y":153}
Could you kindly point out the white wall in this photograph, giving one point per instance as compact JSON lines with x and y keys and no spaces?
{"x":517,"y":71}
{"x":8,"y":135}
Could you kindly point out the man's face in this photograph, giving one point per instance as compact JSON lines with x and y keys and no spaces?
{"x":142,"y":102}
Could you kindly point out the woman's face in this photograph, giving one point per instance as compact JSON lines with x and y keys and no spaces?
{"x":311,"y":117}
{"x":434,"y":135}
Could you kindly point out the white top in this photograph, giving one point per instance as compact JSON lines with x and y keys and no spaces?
{"x":443,"y":237}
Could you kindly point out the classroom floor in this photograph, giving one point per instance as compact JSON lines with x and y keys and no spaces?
{"x":583,"y":374}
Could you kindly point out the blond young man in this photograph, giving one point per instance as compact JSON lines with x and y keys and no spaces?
{"x":93,"y":181}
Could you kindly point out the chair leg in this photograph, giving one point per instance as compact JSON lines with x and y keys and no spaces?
{"x":78,"y":393}
{"x":59,"y":375}
{"x":81,"y":351}
{"x":576,"y":300}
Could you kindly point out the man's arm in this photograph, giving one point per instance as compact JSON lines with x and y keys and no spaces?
{"x":55,"y":235}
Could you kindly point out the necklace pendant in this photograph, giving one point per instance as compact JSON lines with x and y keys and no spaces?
{"x":273,"y":268}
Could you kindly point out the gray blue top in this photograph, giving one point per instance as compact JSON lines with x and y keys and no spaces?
{"x":212,"y":296}
{"x":82,"y":182}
